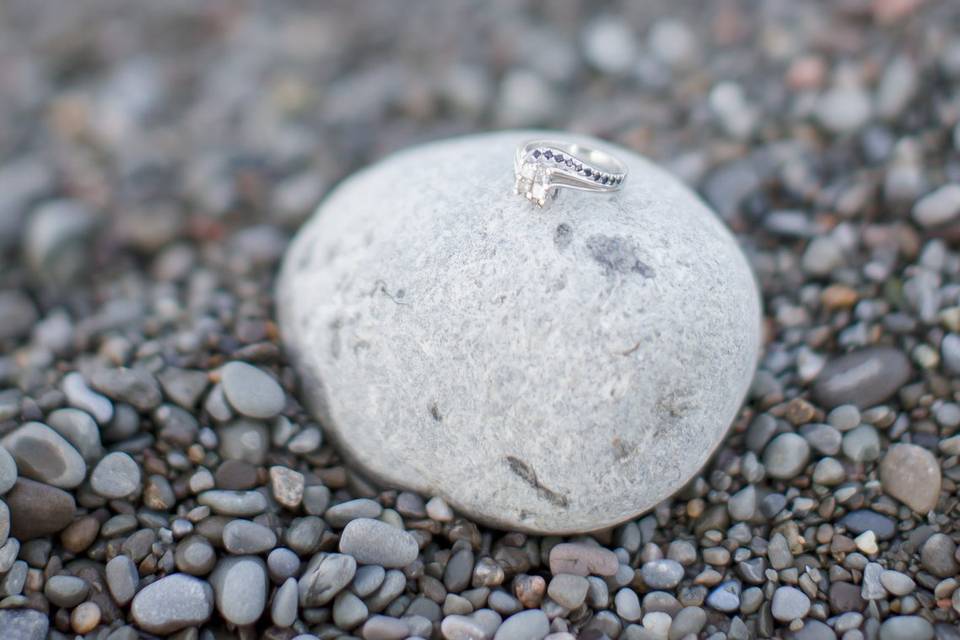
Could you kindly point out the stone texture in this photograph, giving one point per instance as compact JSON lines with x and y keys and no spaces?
{"x":633,"y":315}
{"x":172,"y":603}
{"x":911,"y":474}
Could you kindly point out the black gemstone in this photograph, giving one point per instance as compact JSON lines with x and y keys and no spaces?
{"x":577,"y":167}
{"x":558,"y":157}
{"x":596,"y":177}
{"x":604,"y":180}
{"x":569,"y":162}
{"x":587,"y":172}
{"x":548,"y":154}
{"x":536,"y":153}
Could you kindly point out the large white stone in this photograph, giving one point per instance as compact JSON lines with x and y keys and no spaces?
{"x":552,"y":370}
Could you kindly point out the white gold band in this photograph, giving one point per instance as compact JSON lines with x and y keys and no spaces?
{"x":543,"y":166}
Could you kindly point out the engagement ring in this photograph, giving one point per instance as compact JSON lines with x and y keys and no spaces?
{"x":543,"y":166}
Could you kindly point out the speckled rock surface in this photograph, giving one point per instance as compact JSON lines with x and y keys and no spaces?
{"x":552,"y":370}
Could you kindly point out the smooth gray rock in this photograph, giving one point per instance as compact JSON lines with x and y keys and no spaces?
{"x":413,"y":312}
{"x":117,"y":475}
{"x":325,"y":576}
{"x":24,"y":624}
{"x":172,"y":603}
{"x":374,"y":542}
{"x":122,"y":579}
{"x":240,"y":587}
{"x":863,"y":378}
{"x":251,"y":391}
{"x":531,"y":624}
{"x":8,"y":471}
{"x":43,"y":454}
{"x":80,"y":430}
{"x":245,"y":537}
{"x":283,"y":609}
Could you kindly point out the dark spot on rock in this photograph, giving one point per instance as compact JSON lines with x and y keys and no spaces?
{"x":617,"y":254}
{"x":526,"y":473}
{"x":562,"y":236}
{"x":435,"y":412}
{"x":335,"y":327}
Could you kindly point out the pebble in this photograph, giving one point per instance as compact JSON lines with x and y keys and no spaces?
{"x":899,"y":584}
{"x":531,"y":624}
{"x":938,"y":556}
{"x":339,"y":515}
{"x":172,"y":603}
{"x":24,"y":624}
{"x":862,"y":444}
{"x":65,"y":591}
{"x":38,"y":510}
{"x":786,"y":456}
{"x":662,"y":574}
{"x":42,"y":454}
{"x":324,"y":577}
{"x":234,"y":503}
{"x":80,"y":430}
{"x":906,"y":628}
{"x":609,"y":45}
{"x":244,"y":440}
{"x":244,"y":537}
{"x":122,"y":579}
{"x":240,"y":587}
{"x":789,"y":604}
{"x":287,"y":486}
{"x":183,"y":386}
{"x":939,"y":207}
{"x":117,"y":475}
{"x":374,"y":542}
{"x":283,"y":563}
{"x":85,"y":618}
{"x":196,"y":556}
{"x":583,"y":560}
{"x":17,"y":314}
{"x":136,"y":387}
{"x":251,"y":391}
{"x":437,"y":509}
{"x":725,"y":597}
{"x":864,"y":378}
{"x":843,"y":110}
{"x":911,"y":474}
{"x":283,"y":609}
{"x":627,"y":605}
{"x":863,"y":520}
{"x":569,"y":591}
{"x":8,"y":471}
{"x":79,"y":395}
{"x":689,"y":621}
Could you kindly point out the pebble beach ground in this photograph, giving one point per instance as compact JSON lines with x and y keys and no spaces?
{"x":158,"y":475}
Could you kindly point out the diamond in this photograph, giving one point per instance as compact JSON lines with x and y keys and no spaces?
{"x":558,"y":157}
{"x":536,"y":153}
{"x":587,"y":172}
{"x":548,"y":154}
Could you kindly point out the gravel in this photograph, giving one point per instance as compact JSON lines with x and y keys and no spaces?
{"x":144,"y":216}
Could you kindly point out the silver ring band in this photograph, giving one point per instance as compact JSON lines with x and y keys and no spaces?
{"x":543,"y":166}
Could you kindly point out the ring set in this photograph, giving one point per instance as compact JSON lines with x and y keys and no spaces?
{"x":541,"y":167}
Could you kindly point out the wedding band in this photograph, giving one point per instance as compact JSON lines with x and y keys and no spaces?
{"x":543,"y":166}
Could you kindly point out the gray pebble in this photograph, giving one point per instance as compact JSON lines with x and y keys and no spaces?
{"x":863,"y":378}
{"x":122,"y":579}
{"x":80,"y":430}
{"x":324,"y":577}
{"x":367,"y":580}
{"x":79,"y":395}
{"x":234,"y":503}
{"x":316,"y":499}
{"x":899,"y":584}
{"x":195,"y":555}
{"x":375,"y":542}
{"x":911,"y":474}
{"x":662,"y":574}
{"x":136,"y":387}
{"x":844,"y":417}
{"x":349,"y":611}
{"x":531,"y":624}
{"x":172,"y":603}
{"x":863,"y":519}
{"x":8,"y":471}
{"x":906,"y":628}
{"x":843,"y":109}
{"x":282,"y":564}
{"x":24,"y":624}
{"x":862,"y":444}
{"x":117,"y":475}
{"x":688,"y":622}
{"x":459,"y":570}
{"x":244,"y":440}
{"x":567,"y":590}
{"x":339,"y":515}
{"x":823,"y":438}
{"x":42,"y":454}
{"x":65,"y":591}
{"x":743,"y":504}
{"x":480,"y":624}
{"x":183,"y":386}
{"x":725,"y":597}
{"x":789,"y":604}
{"x":870,"y":585}
{"x":583,"y":560}
{"x":786,"y":456}
{"x":385,"y":628}
{"x":627,"y":605}
{"x":304,"y":534}
{"x":950,"y":352}
{"x":251,"y":391}
{"x":17,"y":314}
{"x":283,"y":609}
{"x":829,"y":472}
{"x":244,"y":537}
{"x":937,"y":555}
{"x":939,"y":207}
{"x":240,"y":587}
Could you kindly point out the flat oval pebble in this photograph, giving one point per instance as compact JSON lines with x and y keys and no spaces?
{"x":65,"y":591}
{"x":251,"y":391}
{"x":240,"y":587}
{"x":911,"y":474}
{"x":662,"y":574}
{"x":80,"y":430}
{"x":385,"y":628}
{"x":122,"y":579}
{"x":865,"y":520}
{"x":81,"y":396}
{"x":246,"y":537}
{"x":43,"y":454}
{"x":37,"y":509}
{"x":172,"y":603}
{"x":598,"y":299}
{"x":531,"y":624}
{"x":786,"y":456}
{"x":863,"y":378}
{"x":234,"y":503}
{"x":906,"y":628}
{"x":583,"y":560}
{"x":789,"y":603}
{"x":375,"y":542}
{"x":117,"y":475}
{"x":324,"y":577}
{"x":8,"y":471}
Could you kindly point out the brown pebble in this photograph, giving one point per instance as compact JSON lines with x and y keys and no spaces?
{"x":37,"y":509}
{"x":80,"y":534}
{"x":85,"y":617}
{"x":838,"y":296}
{"x":529,"y":590}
